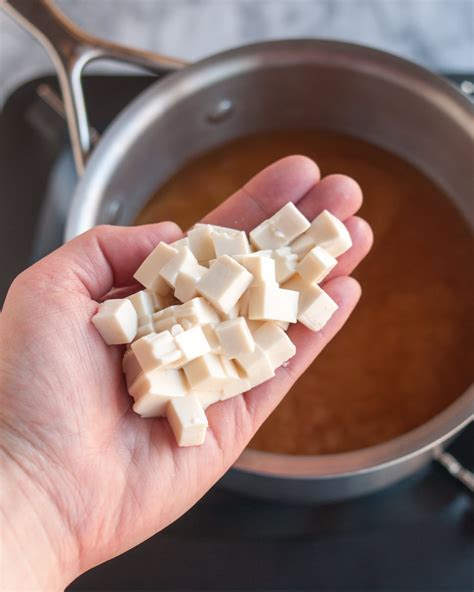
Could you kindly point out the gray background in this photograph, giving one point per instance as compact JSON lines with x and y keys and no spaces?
{"x":436,"y":33}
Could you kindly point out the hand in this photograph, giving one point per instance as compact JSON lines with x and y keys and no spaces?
{"x":84,"y":477}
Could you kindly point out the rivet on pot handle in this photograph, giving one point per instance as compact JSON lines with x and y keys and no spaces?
{"x":71,"y":49}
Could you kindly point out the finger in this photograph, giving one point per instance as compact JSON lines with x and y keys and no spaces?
{"x":288,"y":179}
{"x":339,"y":194}
{"x":362,"y":240}
{"x":234,"y":422}
{"x":102,"y":258}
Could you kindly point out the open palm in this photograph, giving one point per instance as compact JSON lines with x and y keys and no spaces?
{"x":105,"y":478}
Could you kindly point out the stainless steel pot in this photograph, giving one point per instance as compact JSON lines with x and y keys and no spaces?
{"x":278,"y":85}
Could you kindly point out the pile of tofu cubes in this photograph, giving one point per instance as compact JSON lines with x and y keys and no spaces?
{"x":211,"y":323}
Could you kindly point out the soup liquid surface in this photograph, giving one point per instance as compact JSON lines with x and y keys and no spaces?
{"x":406,"y":352}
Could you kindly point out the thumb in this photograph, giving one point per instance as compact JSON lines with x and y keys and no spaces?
{"x":103,"y":258}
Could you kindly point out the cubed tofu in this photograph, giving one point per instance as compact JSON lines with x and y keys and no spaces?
{"x":160,"y":301}
{"x":285,"y":263}
{"x":243,"y":304}
{"x":256,"y":366}
{"x":187,"y":420}
{"x":210,"y":334}
{"x":207,"y":398}
{"x":198,"y":311}
{"x":316,"y":265}
{"x":206,"y":373}
{"x":201,"y":243}
{"x":235,"y":243}
{"x":163,"y":324}
{"x":235,"y":337}
{"x":270,"y":303}
{"x":153,"y":391}
{"x":302,"y":245}
{"x":280,"y":229}
{"x":238,"y":381}
{"x":156,"y":350}
{"x":180,"y":243}
{"x":184,"y":258}
{"x":224,"y":283}
{"x":131,"y":368}
{"x":275,"y":343}
{"x":117,"y":321}
{"x":186,"y":280}
{"x":192,"y":343}
{"x":142,"y":302}
{"x":262,"y":268}
{"x":315,"y":306}
{"x":147,"y":326}
{"x":328,"y":232}
{"x":233,"y":313}
{"x":148,"y":273}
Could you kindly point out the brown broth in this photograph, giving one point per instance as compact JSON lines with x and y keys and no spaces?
{"x":406,"y":352}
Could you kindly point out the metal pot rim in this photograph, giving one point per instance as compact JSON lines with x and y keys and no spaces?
{"x":366,"y":460}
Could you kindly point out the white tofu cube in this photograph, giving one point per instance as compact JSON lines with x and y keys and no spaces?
{"x":198,"y":311}
{"x":143,"y":303}
{"x":285,"y":263}
{"x":192,"y":343}
{"x":116,"y":320}
{"x":180,"y":243}
{"x":254,"y":325}
{"x":243,"y":304}
{"x":187,"y":420}
{"x":186,"y":280}
{"x":230,"y":244}
{"x":257,"y":366}
{"x":148,"y":273}
{"x":233,"y":313}
{"x":206,"y":398}
{"x":330,"y":233}
{"x":238,"y":381}
{"x":156,"y":350}
{"x":161,"y":324}
{"x":235,"y":337}
{"x":183,"y":258}
{"x":315,"y":307}
{"x":275,"y":343}
{"x":280,"y":229}
{"x":160,"y":301}
{"x":316,"y":265}
{"x":269,"y":303}
{"x":206,"y":373}
{"x":218,"y":229}
{"x":201,"y":243}
{"x":224,"y":283}
{"x":283,"y":325}
{"x":131,"y":368}
{"x":235,"y":388}
{"x":302,"y":245}
{"x":152,"y":391}
{"x":210,"y":334}
{"x":145,"y":328}
{"x":262,"y":268}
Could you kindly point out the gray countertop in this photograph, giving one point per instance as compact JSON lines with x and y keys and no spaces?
{"x":436,"y":33}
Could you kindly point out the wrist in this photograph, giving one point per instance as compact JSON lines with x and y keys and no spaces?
{"x":37,"y":549}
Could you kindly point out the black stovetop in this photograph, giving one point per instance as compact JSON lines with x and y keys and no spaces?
{"x":417,"y":535}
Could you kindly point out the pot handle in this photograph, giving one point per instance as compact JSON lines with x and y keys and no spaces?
{"x":455,"y":468}
{"x":71,"y":49}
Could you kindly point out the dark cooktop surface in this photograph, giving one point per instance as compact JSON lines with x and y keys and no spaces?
{"x":417,"y":535}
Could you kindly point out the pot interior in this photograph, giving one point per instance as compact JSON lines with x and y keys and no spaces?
{"x":391,"y":369}
{"x":405,"y":136}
